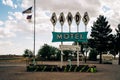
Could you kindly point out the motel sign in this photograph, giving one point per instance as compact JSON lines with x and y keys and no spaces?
{"x":72,"y":36}
{"x":69,"y":36}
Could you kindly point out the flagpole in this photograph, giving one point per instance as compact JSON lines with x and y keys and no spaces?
{"x":34,"y":31}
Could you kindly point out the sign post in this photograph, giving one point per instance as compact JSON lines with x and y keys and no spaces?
{"x":61,"y":20}
{"x":85,"y":20}
{"x":77,"y":20}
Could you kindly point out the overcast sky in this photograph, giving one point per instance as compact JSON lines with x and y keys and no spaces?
{"x":16,"y":33}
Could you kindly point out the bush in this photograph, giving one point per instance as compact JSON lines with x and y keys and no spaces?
{"x":93,"y":55}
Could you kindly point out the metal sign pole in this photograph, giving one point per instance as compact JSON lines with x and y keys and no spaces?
{"x":86,"y":20}
{"x":77,"y":49}
{"x":69,"y":28}
{"x":85,"y":28}
{"x":61,"y":49}
{"x":77,"y":19}
{"x":61,"y":20}
{"x":85,"y":46}
{"x":53,"y":28}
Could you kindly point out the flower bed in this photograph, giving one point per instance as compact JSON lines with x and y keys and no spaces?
{"x":67,"y":68}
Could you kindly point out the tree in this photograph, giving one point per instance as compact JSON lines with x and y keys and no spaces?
{"x":100,"y":36}
{"x":118,"y":41}
{"x":48,"y":52}
{"x":93,"y":55}
{"x":113,"y":47}
{"x":28,"y":53}
{"x":67,"y":54}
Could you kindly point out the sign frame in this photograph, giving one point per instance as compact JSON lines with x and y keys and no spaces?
{"x":70,"y":47}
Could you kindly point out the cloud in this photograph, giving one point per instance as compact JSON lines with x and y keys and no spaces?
{"x":65,"y":6}
{"x":26,"y":3}
{"x":1,"y":23}
{"x":17,"y":23}
{"x":11,"y":26}
{"x":8,"y":47}
{"x":113,"y":14}
{"x":6,"y":33}
{"x":6,"y":43}
{"x":9,"y":3}
{"x":45,"y":8}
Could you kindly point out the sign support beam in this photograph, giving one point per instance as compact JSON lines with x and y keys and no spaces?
{"x":86,"y":20}
{"x":61,"y":20}
{"x":61,"y":50}
{"x":77,"y":50}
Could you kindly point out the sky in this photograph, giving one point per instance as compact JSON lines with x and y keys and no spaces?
{"x":16,"y":33}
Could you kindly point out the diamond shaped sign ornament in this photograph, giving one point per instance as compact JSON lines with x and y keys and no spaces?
{"x":77,"y":18}
{"x":61,"y":18}
{"x":69,"y":18}
{"x":53,"y":19}
{"x":85,"y":18}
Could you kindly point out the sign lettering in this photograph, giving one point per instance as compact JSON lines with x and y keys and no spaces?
{"x":59,"y":36}
{"x":69,"y":18}
{"x":77,"y":18}
{"x":53,"y":19}
{"x":66,"y":36}
{"x":61,"y":19}
{"x":85,"y":18}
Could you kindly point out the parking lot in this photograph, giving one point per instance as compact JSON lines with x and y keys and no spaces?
{"x":17,"y":71}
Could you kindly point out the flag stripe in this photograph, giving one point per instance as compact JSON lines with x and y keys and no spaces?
{"x":29,"y":10}
{"x":29,"y":16}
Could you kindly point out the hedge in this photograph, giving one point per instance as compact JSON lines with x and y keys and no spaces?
{"x":67,"y":68}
